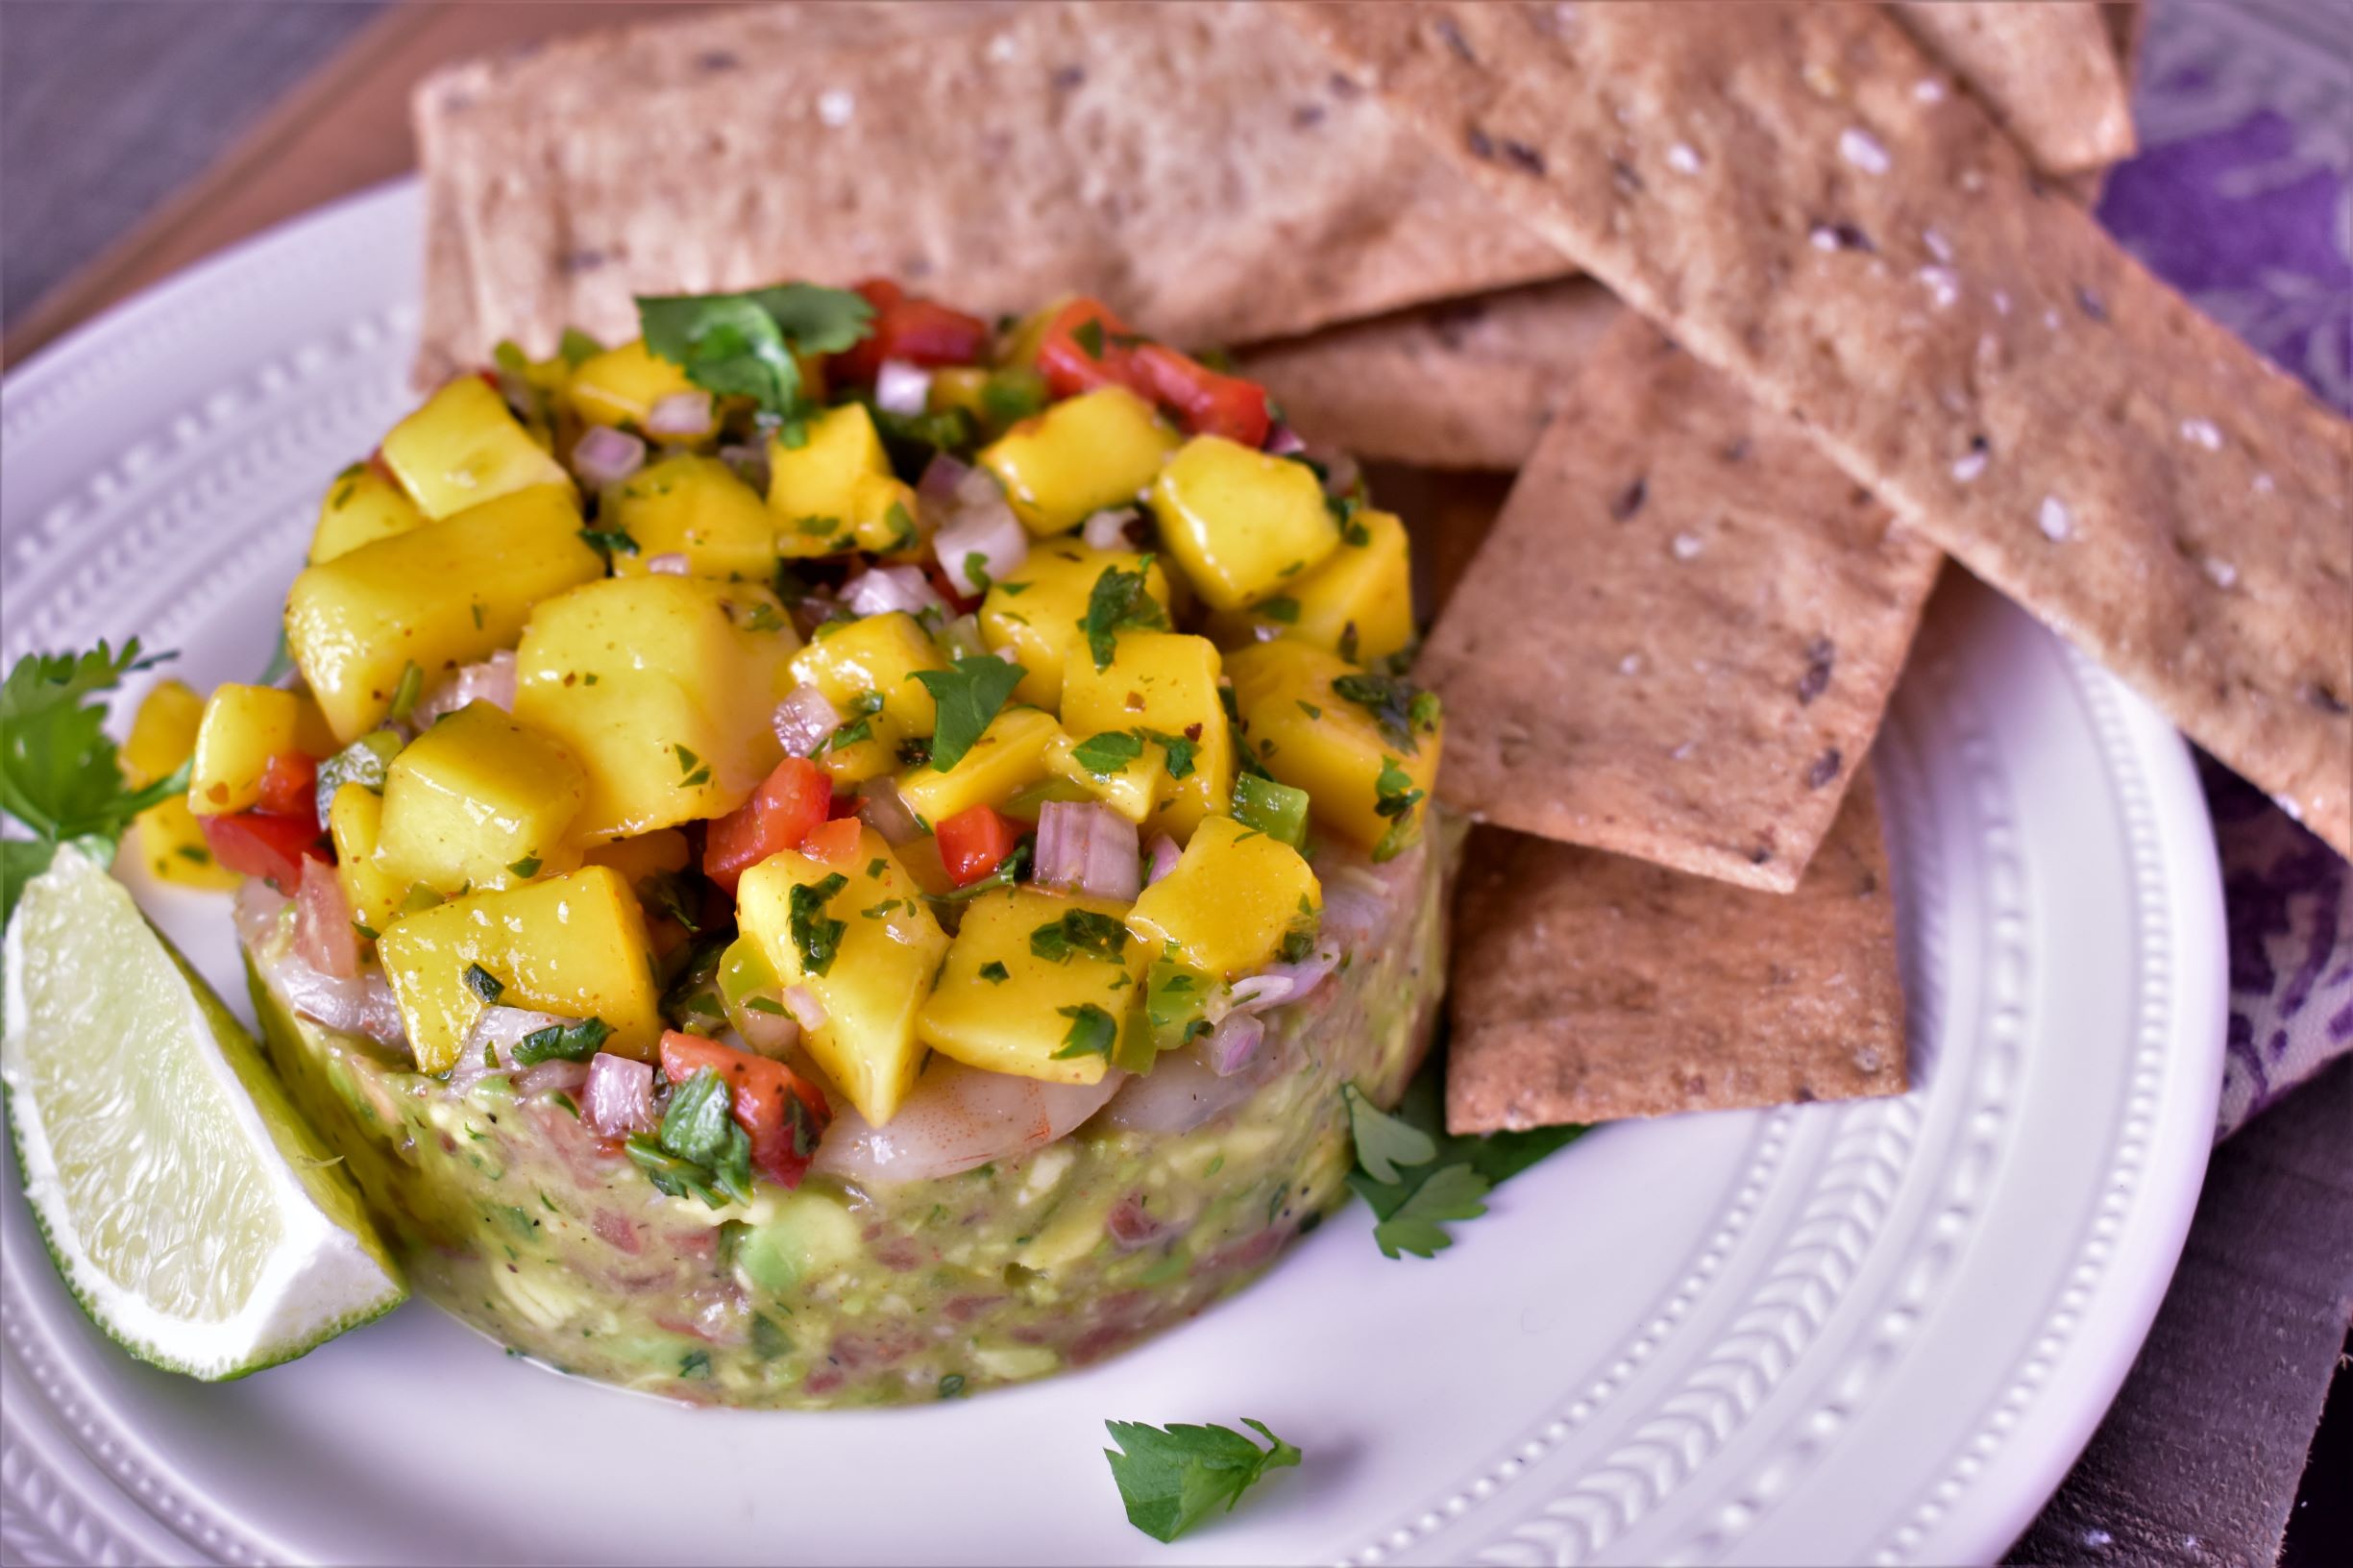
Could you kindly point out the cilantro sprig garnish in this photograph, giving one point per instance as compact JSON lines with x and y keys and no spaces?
{"x":743,"y":345}
{"x":59,"y":775}
{"x":1171,"y":1477}
{"x":968,"y":696}
{"x":1418,"y":1178}
{"x":700,"y":1150}
{"x":1120,"y":601}
{"x":1404,"y":711}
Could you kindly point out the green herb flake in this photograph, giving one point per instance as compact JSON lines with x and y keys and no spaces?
{"x":526,"y":868}
{"x":1109,"y":754}
{"x":609,"y":542}
{"x":1171,"y":1477}
{"x":1120,"y":601}
{"x":404,"y":694}
{"x":745,"y":345}
{"x":572,"y":1041}
{"x":952,"y":1385}
{"x":1080,"y":931}
{"x":1310,"y":709}
{"x":1402,"y":709}
{"x":1178,"y":748}
{"x":967,"y":696}
{"x":1094,"y":1031}
{"x":995,"y":973}
{"x":1285,"y":610}
{"x":816,"y":937}
{"x":484,"y":984}
{"x":1089,"y":336}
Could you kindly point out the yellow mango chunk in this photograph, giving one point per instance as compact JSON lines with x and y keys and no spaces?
{"x":355,"y":821}
{"x":1135,"y":788}
{"x":360,"y":508}
{"x":242,"y":729}
{"x":1004,"y":1006}
{"x":479,"y":802}
{"x":1040,"y":609}
{"x":620,"y":386}
{"x":165,"y":837}
{"x":447,"y":594}
{"x":835,"y":491}
{"x":664,"y":687}
{"x":1163,"y":681}
{"x":1308,"y":736}
{"x":1099,"y":449}
{"x":693,"y":506}
{"x":170,"y":842}
{"x":871,"y":973}
{"x":1242,"y":523}
{"x":1358,"y":604}
{"x":1009,"y":755}
{"x":1235,"y":894}
{"x":572,"y":946}
{"x":649,"y":854}
{"x":873,"y":659}
{"x":466,"y":447}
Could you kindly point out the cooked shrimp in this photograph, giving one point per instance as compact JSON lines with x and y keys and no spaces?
{"x":958,"y":1119}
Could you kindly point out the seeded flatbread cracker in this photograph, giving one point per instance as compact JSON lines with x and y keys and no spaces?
{"x":2049,"y":69}
{"x":1466,"y":383}
{"x":1678,"y":641}
{"x":1199,"y":166}
{"x":1587,"y":987}
{"x":1797,"y":194}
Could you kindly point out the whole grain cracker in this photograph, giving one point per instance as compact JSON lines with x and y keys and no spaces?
{"x":1592,"y":988}
{"x":1876,"y":260}
{"x":1678,"y":641}
{"x":2049,"y":70}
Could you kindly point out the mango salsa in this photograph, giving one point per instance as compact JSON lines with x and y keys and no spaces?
{"x":664,"y":687}
{"x":447,"y":594}
{"x":465,"y":447}
{"x":1235,"y":894}
{"x":1100,"y":449}
{"x":360,"y":508}
{"x":479,"y":802}
{"x":866,"y":669}
{"x":1166,"y":683}
{"x":1240,"y":522}
{"x":572,"y":946}
{"x":1040,"y":611}
{"x":1033,"y":984}
{"x":242,"y":729}
{"x":1358,"y":604}
{"x":1368,"y":761}
{"x":168,"y":841}
{"x":859,"y":938}
{"x":694,"y":507}
{"x":620,"y":386}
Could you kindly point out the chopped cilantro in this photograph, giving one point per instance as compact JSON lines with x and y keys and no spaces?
{"x":1310,"y":709}
{"x":1108,"y":753}
{"x":1120,"y":601}
{"x":995,"y":973}
{"x":1171,"y":1477}
{"x":1401,"y":708}
{"x":526,"y":868}
{"x":1179,"y":749}
{"x":1395,"y":797}
{"x":816,"y":937}
{"x":743,"y":345}
{"x":1079,"y":931}
{"x":484,"y":984}
{"x":969,"y":696}
{"x":1285,"y":610}
{"x":610,"y":542}
{"x":976,"y":571}
{"x":1174,"y":996}
{"x":572,"y":1041}
{"x":952,"y":1385}
{"x":1354,"y":532}
{"x":576,"y":347}
{"x":365,"y":760}
{"x":1094,"y":1031}
{"x":1089,"y":336}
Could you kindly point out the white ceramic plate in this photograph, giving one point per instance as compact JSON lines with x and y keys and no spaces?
{"x":1876,"y":1332}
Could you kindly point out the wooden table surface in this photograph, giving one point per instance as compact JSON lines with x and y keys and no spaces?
{"x":2199,"y":1460}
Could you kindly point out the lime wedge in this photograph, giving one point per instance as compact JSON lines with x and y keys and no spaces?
{"x":189,"y":1210}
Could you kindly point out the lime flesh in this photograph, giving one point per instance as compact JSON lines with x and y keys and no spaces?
{"x":188,"y":1206}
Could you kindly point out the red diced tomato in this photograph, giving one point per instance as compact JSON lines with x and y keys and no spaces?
{"x":1208,"y":401}
{"x":835,"y":843}
{"x":794,"y":800}
{"x":1212,"y":404}
{"x":1104,"y":355}
{"x":783,"y":1113}
{"x":256,"y":843}
{"x":291,"y":786}
{"x":974,"y":843}
{"x":907,"y":327}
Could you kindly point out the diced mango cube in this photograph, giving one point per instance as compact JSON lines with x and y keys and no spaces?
{"x":1040,"y":610}
{"x":694,"y":507}
{"x":466,"y":447}
{"x":171,"y":845}
{"x":859,"y":937}
{"x":873,"y":659}
{"x":242,"y":729}
{"x":165,"y":837}
{"x":665,"y":689}
{"x":835,"y":491}
{"x":1099,"y":449}
{"x":1025,"y":981}
{"x":1358,"y":604}
{"x":163,"y":733}
{"x":1133,"y":786}
{"x":447,"y":594}
{"x":1163,"y":681}
{"x":620,"y":386}
{"x":572,"y":946}
{"x":1235,"y":894}
{"x":1308,"y":735}
{"x":480,"y":801}
{"x":1009,"y":755}
{"x":354,"y":819}
{"x":1242,"y":523}
{"x":360,"y":508}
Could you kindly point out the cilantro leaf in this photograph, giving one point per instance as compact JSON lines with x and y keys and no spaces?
{"x":743,"y":345}
{"x":572,"y":1041}
{"x":1416,"y":1224}
{"x":1383,"y":1142}
{"x":1080,"y":931}
{"x":1180,"y":751}
{"x":815,"y":936}
{"x":1107,"y":753}
{"x":694,"y":1124}
{"x":1120,"y":601}
{"x":1094,"y":1031}
{"x":1402,"y":709}
{"x":1413,"y":1199}
{"x":968,"y":696}
{"x":1171,"y":1477}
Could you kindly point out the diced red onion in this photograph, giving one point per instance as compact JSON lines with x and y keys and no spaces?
{"x":942,"y":476}
{"x":806,"y":1010}
{"x":492,"y":682}
{"x":888,"y":588}
{"x":1298,"y":979}
{"x":362,"y":1005}
{"x":902,"y":388}
{"x":554,"y":1073}
{"x":1282,"y":441}
{"x":1107,"y":530}
{"x":324,"y":936}
{"x":1164,"y":857}
{"x":1233,"y":1043}
{"x":618,"y":1099}
{"x":1085,"y":846}
{"x":773,"y":1035}
{"x":605,"y":455}
{"x":805,"y":721}
{"x":1256,"y":993}
{"x":671,"y":563}
{"x":749,"y":463}
{"x":886,"y":811}
{"x":985,"y":529}
{"x":681,"y":413}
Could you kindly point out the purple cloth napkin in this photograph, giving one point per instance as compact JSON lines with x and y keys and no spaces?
{"x":2242,"y":197}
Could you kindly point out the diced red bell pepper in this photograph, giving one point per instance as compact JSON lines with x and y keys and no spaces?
{"x":794,"y":800}
{"x":1106,"y":356}
{"x":783,"y":1113}
{"x":974,"y":843}
{"x":835,"y":843}
{"x":1212,"y":404}
{"x":291,"y":786}
{"x":1208,"y":401}
{"x":256,"y":843}
{"x":910,"y":328}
